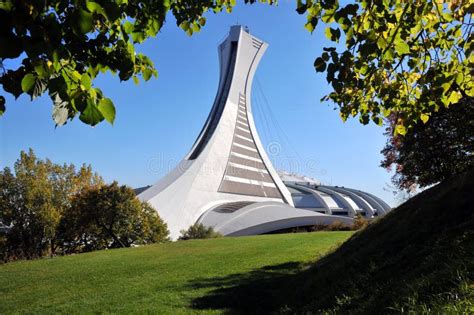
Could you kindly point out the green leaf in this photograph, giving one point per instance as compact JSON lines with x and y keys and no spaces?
{"x":351,"y":9}
{"x":86,"y":81}
{"x":40,"y":69}
{"x":185,"y":26}
{"x":2,"y":105}
{"x":107,"y":109}
{"x":381,"y":42}
{"x":94,"y":7}
{"x":83,"y":22}
{"x":400,"y":130}
{"x":128,"y":27}
{"x":446,"y":86}
{"x":6,"y":5}
{"x":147,"y":74}
{"x":91,"y":114}
{"x":311,"y":25}
{"x":454,"y":97}
{"x":320,"y":64}
{"x":28,"y":82}
{"x":459,"y":78}
{"x":300,"y":7}
{"x":378,"y":121}
{"x":424,"y":118}
{"x":364,"y":119}
{"x":138,"y":37}
{"x":195,"y":27}
{"x":333,"y":34}
{"x":402,"y":47}
{"x":389,"y":54}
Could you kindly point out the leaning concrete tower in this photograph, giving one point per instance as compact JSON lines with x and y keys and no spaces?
{"x":227,"y":163}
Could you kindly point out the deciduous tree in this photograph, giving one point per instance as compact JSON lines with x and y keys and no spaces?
{"x":434,"y":151}
{"x":408,"y":57}
{"x":64,"y":45}
{"x":109,"y":216}
{"x":33,"y":200}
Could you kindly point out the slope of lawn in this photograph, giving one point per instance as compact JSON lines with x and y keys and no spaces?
{"x":164,"y":278}
{"x":418,"y":259}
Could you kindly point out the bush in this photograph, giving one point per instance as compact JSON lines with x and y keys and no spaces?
{"x":359,"y":222}
{"x":198,"y":231}
{"x":337,"y":226}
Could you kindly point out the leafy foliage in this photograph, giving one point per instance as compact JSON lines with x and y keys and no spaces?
{"x":33,"y":200}
{"x":408,"y":57}
{"x":64,"y":45}
{"x":436,"y":150}
{"x":359,"y":222}
{"x":109,"y":216}
{"x":50,"y":209}
{"x":198,"y":231}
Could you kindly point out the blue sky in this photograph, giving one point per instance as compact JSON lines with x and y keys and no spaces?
{"x":158,"y":121}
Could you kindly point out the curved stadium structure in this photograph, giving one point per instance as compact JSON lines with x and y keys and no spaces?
{"x":227,"y":180}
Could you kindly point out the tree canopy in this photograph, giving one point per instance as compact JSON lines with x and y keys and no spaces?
{"x":409,"y":57}
{"x":110,"y":216}
{"x":406,"y":57}
{"x":433,"y":151}
{"x":50,"y":209}
{"x":64,"y":45}
{"x":33,"y":200}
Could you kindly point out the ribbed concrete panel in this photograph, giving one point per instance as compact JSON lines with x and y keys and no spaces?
{"x":244,"y":151}
{"x":227,"y":162}
{"x":243,"y":133}
{"x":235,"y":171}
{"x":246,"y":162}
{"x":243,"y":140}
{"x":250,"y":189}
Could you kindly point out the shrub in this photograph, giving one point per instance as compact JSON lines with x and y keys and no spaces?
{"x":337,"y":226}
{"x":198,"y":231}
{"x":359,"y":222}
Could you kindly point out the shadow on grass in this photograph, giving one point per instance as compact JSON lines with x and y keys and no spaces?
{"x":419,"y":258}
{"x":258,"y":291}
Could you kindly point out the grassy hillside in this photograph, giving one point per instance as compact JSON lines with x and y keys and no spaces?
{"x":165,"y":278}
{"x":418,"y":259}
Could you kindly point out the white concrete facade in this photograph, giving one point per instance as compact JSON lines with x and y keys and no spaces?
{"x":227,"y":180}
{"x":227,"y":162}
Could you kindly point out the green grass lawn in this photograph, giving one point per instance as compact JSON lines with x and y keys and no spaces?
{"x":166,"y":278}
